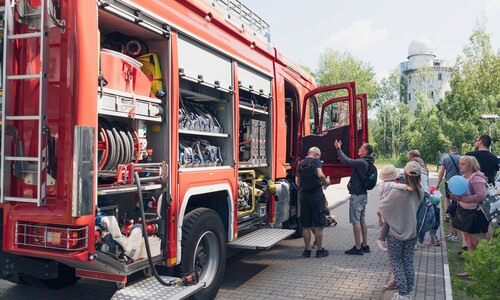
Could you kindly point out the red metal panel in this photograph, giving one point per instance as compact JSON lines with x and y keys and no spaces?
{"x":72,"y":101}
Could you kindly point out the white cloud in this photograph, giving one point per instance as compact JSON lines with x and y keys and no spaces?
{"x":358,"y":35}
{"x":493,"y":4}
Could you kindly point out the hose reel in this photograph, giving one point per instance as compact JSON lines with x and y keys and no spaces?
{"x":118,"y":143}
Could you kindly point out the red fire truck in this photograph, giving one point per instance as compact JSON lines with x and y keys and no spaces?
{"x":138,"y":135}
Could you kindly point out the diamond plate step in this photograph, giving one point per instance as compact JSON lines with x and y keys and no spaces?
{"x":261,"y":238}
{"x":151,"y":289}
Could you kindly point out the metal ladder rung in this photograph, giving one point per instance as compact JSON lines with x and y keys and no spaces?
{"x":24,"y":35}
{"x":21,"y":158}
{"x":23,"y":118}
{"x":29,"y":168}
{"x":25,"y":76}
{"x":31,"y":200}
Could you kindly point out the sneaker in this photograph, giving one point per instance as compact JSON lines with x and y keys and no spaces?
{"x":464,"y":248}
{"x":322,"y":253}
{"x":365,"y":249}
{"x":306,"y":253}
{"x":354,"y":251}
{"x":391,"y":285}
{"x":437,"y":243}
{"x":448,"y":236}
{"x":452,"y":238}
{"x":381,"y":245}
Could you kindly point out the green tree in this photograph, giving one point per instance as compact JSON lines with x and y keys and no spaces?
{"x":424,"y":130}
{"x":475,"y":90}
{"x":388,"y":107}
{"x":336,"y":67}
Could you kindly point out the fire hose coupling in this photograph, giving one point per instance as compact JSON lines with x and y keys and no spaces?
{"x":190,"y":278}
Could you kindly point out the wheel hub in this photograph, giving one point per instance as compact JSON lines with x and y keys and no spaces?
{"x":201,"y":259}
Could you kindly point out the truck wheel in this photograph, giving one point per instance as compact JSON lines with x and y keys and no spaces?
{"x":203,"y":250}
{"x":66,"y":277}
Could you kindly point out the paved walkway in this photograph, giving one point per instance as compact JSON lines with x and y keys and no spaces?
{"x":281,"y":273}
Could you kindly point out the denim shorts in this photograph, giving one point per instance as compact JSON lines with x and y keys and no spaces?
{"x":357,"y":205}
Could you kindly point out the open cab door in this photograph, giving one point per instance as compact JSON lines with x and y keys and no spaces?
{"x":361,"y":108}
{"x":332,"y":113}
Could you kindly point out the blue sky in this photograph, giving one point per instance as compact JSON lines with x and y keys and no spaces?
{"x":375,"y":31}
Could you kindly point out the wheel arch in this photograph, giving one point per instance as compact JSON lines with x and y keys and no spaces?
{"x":217,"y":197}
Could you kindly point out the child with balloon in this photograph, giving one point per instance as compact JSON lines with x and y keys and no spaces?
{"x":435,"y":198}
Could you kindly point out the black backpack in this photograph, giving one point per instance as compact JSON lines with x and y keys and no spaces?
{"x":308,"y":176}
{"x":369,"y":180}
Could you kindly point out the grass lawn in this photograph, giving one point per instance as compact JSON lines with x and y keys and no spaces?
{"x":457,"y":265}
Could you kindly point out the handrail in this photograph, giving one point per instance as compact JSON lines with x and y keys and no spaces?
{"x":235,"y":9}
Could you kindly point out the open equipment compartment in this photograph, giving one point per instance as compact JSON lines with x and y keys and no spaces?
{"x":132,"y":137}
{"x":206,"y":119}
{"x":254,"y":144}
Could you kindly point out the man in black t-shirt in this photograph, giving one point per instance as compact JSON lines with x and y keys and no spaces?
{"x":487,"y":161}
{"x":310,"y":179}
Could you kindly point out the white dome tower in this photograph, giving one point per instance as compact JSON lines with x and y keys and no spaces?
{"x":432,"y":83}
{"x":421,"y":52}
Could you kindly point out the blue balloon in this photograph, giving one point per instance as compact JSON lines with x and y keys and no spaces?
{"x":435,"y":200}
{"x":458,"y":185}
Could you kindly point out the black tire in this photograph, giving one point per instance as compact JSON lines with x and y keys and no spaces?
{"x":66,"y":277}
{"x":204,"y":250}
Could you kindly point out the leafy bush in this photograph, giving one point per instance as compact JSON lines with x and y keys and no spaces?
{"x":399,"y":161}
{"x":484,"y":267}
{"x":402,"y":160}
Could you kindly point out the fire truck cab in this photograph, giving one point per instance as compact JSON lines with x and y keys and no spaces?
{"x":137,"y":134}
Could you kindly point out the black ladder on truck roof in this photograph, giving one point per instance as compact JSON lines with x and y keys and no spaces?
{"x":33,"y":169}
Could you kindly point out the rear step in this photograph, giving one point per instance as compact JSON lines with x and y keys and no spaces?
{"x":261,"y":238}
{"x":150,"y":288}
